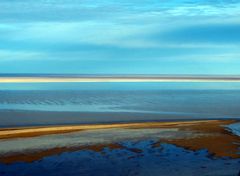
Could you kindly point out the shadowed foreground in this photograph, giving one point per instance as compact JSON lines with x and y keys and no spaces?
{"x":154,"y":148}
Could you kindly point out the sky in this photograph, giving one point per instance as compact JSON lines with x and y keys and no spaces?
{"x":120,"y":36}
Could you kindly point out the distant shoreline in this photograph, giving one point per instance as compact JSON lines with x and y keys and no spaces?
{"x":48,"y":78}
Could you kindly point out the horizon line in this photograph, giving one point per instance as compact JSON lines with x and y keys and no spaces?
{"x":51,"y":78}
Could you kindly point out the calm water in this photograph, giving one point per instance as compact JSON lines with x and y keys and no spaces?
{"x":71,"y":103}
{"x":59,"y":103}
{"x":166,"y":160}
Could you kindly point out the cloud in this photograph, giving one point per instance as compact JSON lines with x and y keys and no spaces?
{"x":208,"y":33}
{"x":103,"y":10}
{"x":10,"y":55}
{"x":123,"y":36}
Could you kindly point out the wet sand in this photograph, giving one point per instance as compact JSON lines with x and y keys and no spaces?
{"x":193,"y":135}
{"x":6,"y":133}
{"x":216,"y":139}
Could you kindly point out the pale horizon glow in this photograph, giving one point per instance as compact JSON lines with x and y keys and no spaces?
{"x":112,"y":79}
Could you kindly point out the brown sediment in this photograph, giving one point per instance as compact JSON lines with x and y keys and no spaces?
{"x":215,"y":138}
{"x":212,"y":136}
{"x":37,"y":155}
{"x":34,"y":134}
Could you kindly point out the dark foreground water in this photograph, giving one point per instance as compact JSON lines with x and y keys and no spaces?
{"x":136,"y":158}
{"x":70,"y":103}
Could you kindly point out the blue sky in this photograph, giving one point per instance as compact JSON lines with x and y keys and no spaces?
{"x":120,"y":37}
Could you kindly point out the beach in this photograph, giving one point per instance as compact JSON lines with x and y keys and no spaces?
{"x":38,"y":78}
{"x":19,"y":144}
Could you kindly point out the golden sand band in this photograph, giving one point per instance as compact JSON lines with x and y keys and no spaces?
{"x":115,"y":79}
{"x":6,"y":133}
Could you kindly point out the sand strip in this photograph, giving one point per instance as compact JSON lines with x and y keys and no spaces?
{"x":6,"y":133}
{"x":116,"y":79}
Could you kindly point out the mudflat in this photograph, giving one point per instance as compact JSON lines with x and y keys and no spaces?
{"x":194,"y":135}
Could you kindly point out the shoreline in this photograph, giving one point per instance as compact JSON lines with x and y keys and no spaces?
{"x":32,"y":131}
{"x":191,"y":135}
{"x":110,"y":78}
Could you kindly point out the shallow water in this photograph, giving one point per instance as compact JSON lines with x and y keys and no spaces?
{"x":234,"y":128}
{"x":62,"y":103}
{"x":73,"y":103}
{"x":136,"y":158}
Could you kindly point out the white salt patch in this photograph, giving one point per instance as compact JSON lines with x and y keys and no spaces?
{"x":234,"y":128}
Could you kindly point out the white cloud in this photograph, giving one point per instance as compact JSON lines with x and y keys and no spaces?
{"x":7,"y":55}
